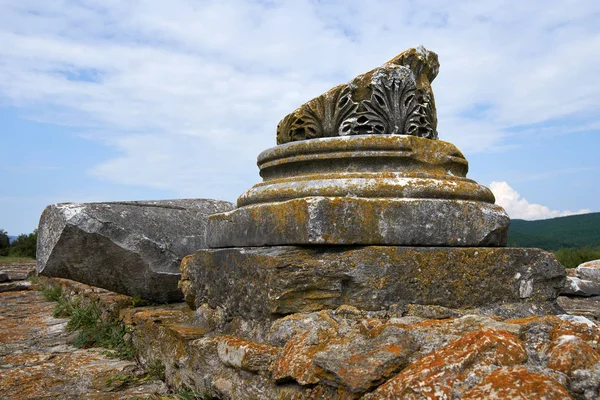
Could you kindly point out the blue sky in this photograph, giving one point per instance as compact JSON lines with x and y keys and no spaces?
{"x":126,"y":100}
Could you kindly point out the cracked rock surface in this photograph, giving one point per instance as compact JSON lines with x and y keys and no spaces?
{"x":133,"y":248}
{"x":36,"y":361}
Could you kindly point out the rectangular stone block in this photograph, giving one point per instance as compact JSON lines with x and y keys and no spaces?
{"x":267,"y":282}
{"x":360,"y":221}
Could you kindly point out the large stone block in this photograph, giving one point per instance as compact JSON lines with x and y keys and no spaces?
{"x":133,"y":248}
{"x":361,"y":221}
{"x":266,"y":282}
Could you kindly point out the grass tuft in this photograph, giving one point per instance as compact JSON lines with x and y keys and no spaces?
{"x":188,"y":394}
{"x":156,"y":370}
{"x":52,"y":293}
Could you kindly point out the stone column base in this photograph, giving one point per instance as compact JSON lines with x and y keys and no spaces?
{"x":262,"y":283}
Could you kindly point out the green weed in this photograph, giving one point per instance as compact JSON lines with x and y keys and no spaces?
{"x":51,"y":293}
{"x":188,"y":394}
{"x":156,"y":370}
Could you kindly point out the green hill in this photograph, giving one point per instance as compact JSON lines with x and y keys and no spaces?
{"x":552,"y":234}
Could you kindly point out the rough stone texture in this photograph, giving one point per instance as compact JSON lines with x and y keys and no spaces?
{"x":569,"y":353}
{"x":18,"y":270}
{"x":517,"y":383}
{"x":393,"y":99}
{"x":36,"y":361}
{"x":589,"y":270}
{"x":245,"y":354}
{"x":14,"y":286}
{"x":363,"y":362}
{"x":361,"y":221}
{"x":443,"y":373}
{"x":4,"y":277}
{"x":363,"y":190}
{"x":448,"y":358}
{"x":588,"y":307}
{"x":581,"y":287}
{"x":273,"y":281}
{"x":296,"y":359}
{"x":132,"y":248}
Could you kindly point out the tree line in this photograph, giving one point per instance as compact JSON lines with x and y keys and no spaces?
{"x":23,"y":246}
{"x":572,"y":257}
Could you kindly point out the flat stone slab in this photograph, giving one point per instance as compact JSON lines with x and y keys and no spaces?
{"x":581,"y":287}
{"x":361,"y":221}
{"x":132,"y":248}
{"x":589,"y":270}
{"x":263,"y":282}
{"x":37,"y":360}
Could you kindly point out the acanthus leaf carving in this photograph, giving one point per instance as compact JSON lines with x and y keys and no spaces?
{"x":321,"y":117}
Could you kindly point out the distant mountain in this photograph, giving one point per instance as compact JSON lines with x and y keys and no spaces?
{"x":11,"y":238}
{"x":552,"y":234}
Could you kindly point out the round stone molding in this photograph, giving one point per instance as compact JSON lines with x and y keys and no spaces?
{"x":363,"y":190}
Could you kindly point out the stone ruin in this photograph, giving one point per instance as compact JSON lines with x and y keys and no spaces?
{"x":362,"y":205}
{"x":365,"y":265}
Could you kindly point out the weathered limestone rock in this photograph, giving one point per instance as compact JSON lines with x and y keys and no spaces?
{"x":588,"y":307}
{"x":132,"y":248}
{"x":444,"y":373}
{"x":266,"y":282}
{"x":569,"y":353}
{"x":395,"y":98}
{"x":245,"y":354}
{"x":581,"y":287}
{"x":589,"y":270}
{"x":325,"y":355}
{"x":363,"y":362}
{"x":363,"y":190}
{"x":517,"y":383}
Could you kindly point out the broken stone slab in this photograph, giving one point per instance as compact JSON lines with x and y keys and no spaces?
{"x":581,"y":287}
{"x":589,"y":270}
{"x":132,"y":248}
{"x":395,"y":98}
{"x":581,"y":306}
{"x":15,"y":286}
{"x":266,"y":282}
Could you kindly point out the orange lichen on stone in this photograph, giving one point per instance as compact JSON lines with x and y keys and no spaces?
{"x":363,"y":362}
{"x":569,"y":353}
{"x":543,"y":319}
{"x":296,"y":359}
{"x":245,"y":354}
{"x":442,"y":372}
{"x":517,"y":383}
{"x":37,"y":362}
{"x":22,"y":315}
{"x":587,"y":333}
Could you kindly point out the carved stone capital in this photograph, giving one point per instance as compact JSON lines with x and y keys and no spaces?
{"x":394,"y":99}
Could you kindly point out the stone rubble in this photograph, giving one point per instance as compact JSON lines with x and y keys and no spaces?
{"x":581,"y":294}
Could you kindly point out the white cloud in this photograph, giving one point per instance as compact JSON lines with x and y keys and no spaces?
{"x":519,"y":208}
{"x":186,"y":90}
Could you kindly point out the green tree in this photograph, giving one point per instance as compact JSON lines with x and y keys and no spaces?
{"x":572,"y":257}
{"x":24,"y":245}
{"x":4,"y":243}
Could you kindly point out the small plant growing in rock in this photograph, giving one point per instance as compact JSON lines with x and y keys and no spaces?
{"x":156,"y":370}
{"x":52,"y":292}
{"x":188,"y":394}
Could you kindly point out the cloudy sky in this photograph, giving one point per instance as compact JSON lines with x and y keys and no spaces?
{"x":122,"y":100}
